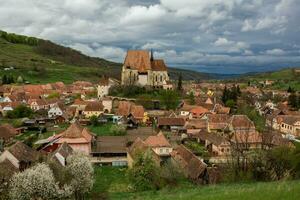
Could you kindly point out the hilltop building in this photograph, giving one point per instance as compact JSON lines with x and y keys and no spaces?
{"x":140,"y":68}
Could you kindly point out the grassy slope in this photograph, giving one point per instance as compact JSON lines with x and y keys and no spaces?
{"x":24,"y":58}
{"x":114,"y":184}
{"x":284,"y":78}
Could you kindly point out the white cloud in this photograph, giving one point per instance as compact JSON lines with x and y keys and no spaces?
{"x":275,"y":52}
{"x":99,"y":50}
{"x":143,"y":14}
{"x":264,"y":23}
{"x":231,"y":46}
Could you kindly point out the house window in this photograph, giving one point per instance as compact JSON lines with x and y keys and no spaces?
{"x":167,"y":150}
{"x":161,"y":150}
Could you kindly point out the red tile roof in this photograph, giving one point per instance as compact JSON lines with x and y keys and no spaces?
{"x":158,"y":140}
{"x":170,"y":121}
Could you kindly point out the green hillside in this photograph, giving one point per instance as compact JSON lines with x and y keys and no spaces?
{"x":42,"y":61}
{"x":282,"y":78}
{"x":112,"y":182}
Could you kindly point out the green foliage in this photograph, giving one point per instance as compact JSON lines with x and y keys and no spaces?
{"x":230,"y":103}
{"x":118,"y":130}
{"x":296,"y":160}
{"x":279,"y":161}
{"x":144,"y":174}
{"x":230,"y":96}
{"x":146,"y":101}
{"x":53,"y":95}
{"x":20,"y":111}
{"x":191,"y":98}
{"x":94,"y":120}
{"x":8,"y":79}
{"x":127,"y":91}
{"x":169,"y":99}
{"x":294,"y":100}
{"x":197,"y":148}
{"x":18,"y":39}
{"x":108,"y":129}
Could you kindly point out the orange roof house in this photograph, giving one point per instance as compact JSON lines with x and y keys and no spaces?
{"x":191,"y":165}
{"x":79,"y":138}
{"x":128,"y":109}
{"x":159,"y":144}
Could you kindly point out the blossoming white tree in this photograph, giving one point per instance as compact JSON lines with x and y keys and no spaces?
{"x":36,"y":183}
{"x":81,"y":170}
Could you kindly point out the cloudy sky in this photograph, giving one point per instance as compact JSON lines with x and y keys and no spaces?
{"x":219,"y":36}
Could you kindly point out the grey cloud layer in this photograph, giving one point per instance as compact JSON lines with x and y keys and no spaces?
{"x":249,"y":34}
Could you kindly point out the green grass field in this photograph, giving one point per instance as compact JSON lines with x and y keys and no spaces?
{"x":101,"y":130}
{"x":283,"y":79}
{"x":112,"y":183}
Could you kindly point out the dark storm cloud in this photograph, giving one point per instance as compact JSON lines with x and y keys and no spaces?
{"x":236,"y":35}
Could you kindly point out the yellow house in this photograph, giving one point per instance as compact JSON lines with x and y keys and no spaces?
{"x":93,"y":109}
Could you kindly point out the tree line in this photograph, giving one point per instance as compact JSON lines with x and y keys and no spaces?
{"x":19,"y":39}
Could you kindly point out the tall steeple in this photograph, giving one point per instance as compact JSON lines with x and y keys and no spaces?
{"x":151,"y":56}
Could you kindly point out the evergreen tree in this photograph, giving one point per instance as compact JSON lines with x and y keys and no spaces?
{"x":4,"y":79}
{"x":225,"y":95}
{"x":179,"y":84}
{"x":192,"y":98}
{"x":293,"y":100}
{"x":290,"y":90}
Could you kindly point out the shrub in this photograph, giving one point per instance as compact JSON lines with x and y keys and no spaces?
{"x":20,"y":112}
{"x":144,"y":175}
{"x":118,"y":129}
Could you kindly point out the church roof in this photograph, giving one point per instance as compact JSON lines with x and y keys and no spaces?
{"x":140,"y":60}
{"x":158,"y":65}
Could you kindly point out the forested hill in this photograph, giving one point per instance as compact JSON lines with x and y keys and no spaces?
{"x":41,"y":61}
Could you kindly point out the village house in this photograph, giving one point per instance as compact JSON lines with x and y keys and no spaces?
{"x":219,"y":109}
{"x":20,"y":156}
{"x":217,"y":145}
{"x":93,"y":108}
{"x":192,"y":167}
{"x":242,"y":133}
{"x":8,"y":106}
{"x":80,"y":105}
{"x":37,"y":104}
{"x":159,"y":144}
{"x":130,"y":111}
{"x":104,"y":85}
{"x":140,"y":68}
{"x":171,"y":123}
{"x":61,"y":154}
{"x":55,"y":111}
{"x":107,"y":104}
{"x":138,"y":147}
{"x":7,"y":133}
{"x":194,"y":126}
{"x":217,"y":122}
{"x":77,"y":137}
{"x":287,"y":124}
